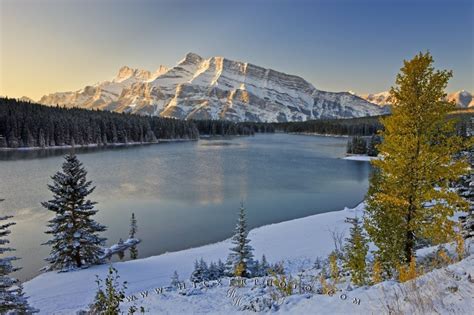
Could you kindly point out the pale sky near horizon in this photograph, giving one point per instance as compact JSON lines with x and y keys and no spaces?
{"x":49,"y":46}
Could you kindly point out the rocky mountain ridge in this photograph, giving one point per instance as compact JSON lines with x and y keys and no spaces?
{"x":215,"y":88}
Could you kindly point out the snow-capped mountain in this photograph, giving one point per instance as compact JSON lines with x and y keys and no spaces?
{"x":217,"y":88}
{"x":462,"y":98}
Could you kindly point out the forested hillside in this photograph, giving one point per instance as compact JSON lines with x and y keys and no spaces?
{"x":24,"y":124}
{"x":365,"y":126}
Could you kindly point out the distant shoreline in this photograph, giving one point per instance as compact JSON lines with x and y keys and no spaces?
{"x":95,"y":145}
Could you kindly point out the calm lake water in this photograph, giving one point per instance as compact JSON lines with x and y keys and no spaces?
{"x":184,"y":194}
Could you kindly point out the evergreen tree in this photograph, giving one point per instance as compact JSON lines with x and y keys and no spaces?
{"x":466,"y":190}
{"x":404,"y":201}
{"x":198,"y":274}
{"x":12,"y":299}
{"x":75,"y":241}
{"x":204,"y":270}
{"x":241,"y":255}
{"x":175,"y":280}
{"x":120,"y":254}
{"x":264,"y":267}
{"x":213,"y":271}
{"x":221,"y":268}
{"x":133,"y":231}
{"x":107,"y":301}
{"x":356,"y":251}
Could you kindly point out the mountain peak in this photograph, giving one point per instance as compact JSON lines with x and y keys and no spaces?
{"x":191,"y":58}
{"x":127,"y":72}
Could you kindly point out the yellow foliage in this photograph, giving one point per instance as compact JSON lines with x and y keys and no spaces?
{"x":239,"y":270}
{"x":326,"y":287}
{"x":284,"y":285}
{"x":377,"y":272}
{"x":443,"y":257}
{"x":334,"y":267}
{"x":409,"y":272}
{"x":460,"y":251}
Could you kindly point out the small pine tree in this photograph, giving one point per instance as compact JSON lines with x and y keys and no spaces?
{"x":334,"y":268}
{"x":107,"y":302}
{"x":355,"y":252}
{"x":120,"y":254}
{"x":460,"y":249}
{"x":326,"y":288}
{"x":201,"y":271}
{"x":204,"y":269}
{"x":11,"y":291}
{"x":409,"y":272}
{"x":376,"y":272}
{"x":264,"y":267}
{"x":196,"y":275}
{"x":133,"y":231}
{"x":241,"y":255}
{"x":75,"y":241}
{"x":213,"y":271}
{"x":133,"y":226}
{"x":221,"y":268}
{"x":175,"y":280}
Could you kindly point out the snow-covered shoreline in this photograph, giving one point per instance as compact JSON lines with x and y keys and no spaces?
{"x":95,"y":145}
{"x":65,"y":293}
{"x":360,"y":158}
{"x":298,"y":243}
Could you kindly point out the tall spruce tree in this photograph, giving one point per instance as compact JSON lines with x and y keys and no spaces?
{"x":409,"y":197}
{"x":12,"y":298}
{"x":356,"y":251}
{"x":133,"y":231}
{"x":241,"y":257}
{"x":75,"y":240}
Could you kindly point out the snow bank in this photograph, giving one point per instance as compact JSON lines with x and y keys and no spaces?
{"x":298,"y":242}
{"x":360,"y":158}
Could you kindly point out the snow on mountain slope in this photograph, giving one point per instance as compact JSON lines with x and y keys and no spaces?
{"x":463,"y":99}
{"x":217,"y":88}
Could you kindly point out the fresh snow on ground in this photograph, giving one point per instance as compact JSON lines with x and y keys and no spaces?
{"x":297,"y":242}
{"x":300,"y":241}
{"x":360,"y":158}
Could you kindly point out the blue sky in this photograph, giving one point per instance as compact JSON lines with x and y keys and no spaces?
{"x":358,"y":45}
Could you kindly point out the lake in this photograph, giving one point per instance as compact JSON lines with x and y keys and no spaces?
{"x":184,"y":194}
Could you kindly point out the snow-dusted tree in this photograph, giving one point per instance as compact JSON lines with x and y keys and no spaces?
{"x":12,"y":299}
{"x":221,"y":268}
{"x":264,"y":267}
{"x":76,"y":242}
{"x":133,"y":231}
{"x":241,"y":257}
{"x":120,"y":254}
{"x":107,"y":300}
{"x":213,"y":271}
{"x":175,"y":280}
{"x":201,"y":271}
{"x":355,"y":252}
{"x":466,"y":190}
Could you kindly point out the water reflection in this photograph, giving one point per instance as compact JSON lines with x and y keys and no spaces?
{"x":185,"y":194}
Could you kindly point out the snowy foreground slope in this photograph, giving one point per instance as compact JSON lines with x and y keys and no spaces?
{"x":297,"y":242}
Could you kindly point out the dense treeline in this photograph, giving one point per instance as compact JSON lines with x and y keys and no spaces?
{"x":223,"y":127}
{"x":363,"y":145}
{"x":24,"y":124}
{"x":365,"y":126}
